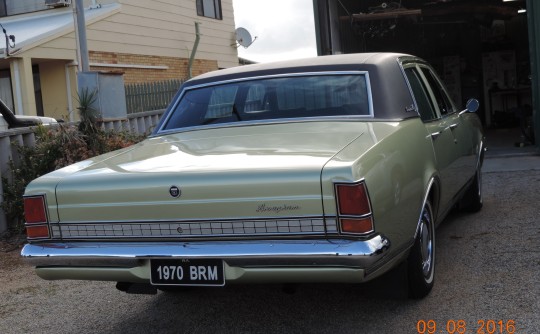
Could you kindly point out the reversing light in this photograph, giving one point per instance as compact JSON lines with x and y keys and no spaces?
{"x":37,"y":232}
{"x":35,"y":214}
{"x":357,"y":225}
{"x":354,"y":208}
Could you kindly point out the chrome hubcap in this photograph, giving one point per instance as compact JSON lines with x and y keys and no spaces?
{"x":426,"y":244}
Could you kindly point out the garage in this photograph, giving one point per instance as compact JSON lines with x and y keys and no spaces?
{"x":484,"y":49}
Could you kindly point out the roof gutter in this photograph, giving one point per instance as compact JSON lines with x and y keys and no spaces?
{"x":8,"y":44}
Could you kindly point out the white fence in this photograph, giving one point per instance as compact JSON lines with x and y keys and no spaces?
{"x":140,"y":123}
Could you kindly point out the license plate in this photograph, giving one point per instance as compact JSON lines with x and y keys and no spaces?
{"x":201,"y":272}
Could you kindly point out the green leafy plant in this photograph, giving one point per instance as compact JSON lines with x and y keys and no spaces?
{"x":88,"y":114}
{"x":54,"y":148}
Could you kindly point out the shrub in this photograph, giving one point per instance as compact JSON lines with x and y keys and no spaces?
{"x":55,"y":148}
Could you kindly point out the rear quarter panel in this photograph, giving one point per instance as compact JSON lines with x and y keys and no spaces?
{"x":396,"y":161}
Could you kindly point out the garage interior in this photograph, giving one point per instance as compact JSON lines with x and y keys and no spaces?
{"x":480,"y":48}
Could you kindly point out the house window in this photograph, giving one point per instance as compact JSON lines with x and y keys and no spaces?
{"x":3,"y":11}
{"x":209,"y":8}
{"x":15,"y":7}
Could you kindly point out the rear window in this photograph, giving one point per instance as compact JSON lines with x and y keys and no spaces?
{"x":272,"y":98}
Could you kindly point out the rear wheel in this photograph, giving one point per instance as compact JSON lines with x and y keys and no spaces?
{"x":472,"y":200}
{"x":421,"y":261}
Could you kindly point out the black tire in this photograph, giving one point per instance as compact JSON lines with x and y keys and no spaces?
{"x":472,"y":200}
{"x":421,"y":261}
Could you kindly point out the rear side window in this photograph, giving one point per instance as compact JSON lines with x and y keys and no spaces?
{"x":273,"y":98}
{"x":424,"y":103}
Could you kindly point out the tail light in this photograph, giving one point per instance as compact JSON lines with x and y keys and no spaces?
{"x":35,"y":214}
{"x":354,"y":208}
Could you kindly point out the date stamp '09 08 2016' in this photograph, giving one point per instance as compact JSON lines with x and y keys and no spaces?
{"x":461,"y":327}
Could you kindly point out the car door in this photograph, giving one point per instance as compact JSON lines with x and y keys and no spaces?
{"x":440,"y":131}
{"x":463,"y":167}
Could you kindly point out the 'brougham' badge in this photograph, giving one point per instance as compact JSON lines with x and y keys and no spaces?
{"x":175,"y":191}
{"x":276,"y":208}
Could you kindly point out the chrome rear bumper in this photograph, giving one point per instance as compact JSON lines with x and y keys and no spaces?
{"x":245,"y":261}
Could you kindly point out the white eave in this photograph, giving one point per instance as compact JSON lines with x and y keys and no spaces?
{"x":37,"y":28}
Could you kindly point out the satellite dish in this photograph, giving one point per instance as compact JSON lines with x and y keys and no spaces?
{"x":243,"y":38}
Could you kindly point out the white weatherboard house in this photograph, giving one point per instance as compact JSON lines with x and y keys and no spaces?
{"x":146,"y":40}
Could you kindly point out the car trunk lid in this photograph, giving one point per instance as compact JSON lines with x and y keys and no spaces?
{"x":229,"y":173}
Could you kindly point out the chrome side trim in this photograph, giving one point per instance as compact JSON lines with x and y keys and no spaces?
{"x":481,"y":154}
{"x":426,"y":195}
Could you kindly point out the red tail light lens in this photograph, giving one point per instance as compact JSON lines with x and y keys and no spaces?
{"x":35,"y":214}
{"x":34,"y":210}
{"x":353,"y":199}
{"x":354,"y":208}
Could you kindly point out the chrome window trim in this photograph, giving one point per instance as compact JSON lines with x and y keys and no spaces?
{"x":425,"y":199}
{"x":268,"y":122}
{"x":161,"y":130}
{"x":402,"y":67}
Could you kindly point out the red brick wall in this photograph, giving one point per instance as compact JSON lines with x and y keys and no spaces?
{"x":177,"y":67}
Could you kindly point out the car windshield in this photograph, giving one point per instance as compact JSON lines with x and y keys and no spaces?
{"x":272,"y":98}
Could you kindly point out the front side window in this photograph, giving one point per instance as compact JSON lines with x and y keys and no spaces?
{"x":272,"y":98}
{"x":209,"y":8}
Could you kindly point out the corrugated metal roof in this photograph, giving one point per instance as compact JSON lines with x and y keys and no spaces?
{"x":36,"y":28}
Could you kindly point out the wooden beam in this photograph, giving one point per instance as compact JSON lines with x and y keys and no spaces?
{"x":395,"y":14}
{"x":448,"y":9}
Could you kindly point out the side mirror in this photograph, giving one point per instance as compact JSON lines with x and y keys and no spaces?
{"x":471,"y":106}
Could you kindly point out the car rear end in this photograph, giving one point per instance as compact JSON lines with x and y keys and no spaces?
{"x":188,"y":223}
{"x":250,"y":177}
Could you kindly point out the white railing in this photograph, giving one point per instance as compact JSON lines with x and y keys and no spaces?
{"x":140,"y":123}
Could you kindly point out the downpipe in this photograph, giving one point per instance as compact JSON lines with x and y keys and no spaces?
{"x":194,"y":51}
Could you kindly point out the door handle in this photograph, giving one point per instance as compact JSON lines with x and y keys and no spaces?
{"x":435,"y":135}
{"x":452,"y":126}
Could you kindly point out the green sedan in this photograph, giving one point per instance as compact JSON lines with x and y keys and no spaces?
{"x":331,"y":169}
